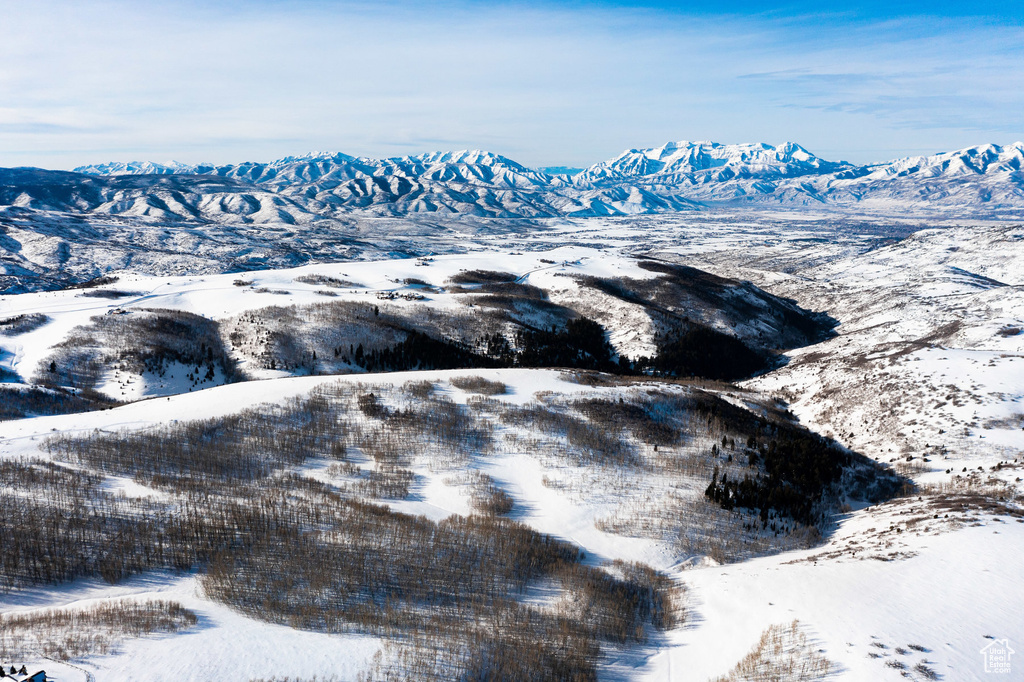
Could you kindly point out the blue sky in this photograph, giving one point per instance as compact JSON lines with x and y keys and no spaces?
{"x":557,"y":83}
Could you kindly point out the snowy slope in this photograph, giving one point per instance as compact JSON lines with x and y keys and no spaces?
{"x":927,"y":361}
{"x":568,"y":279}
{"x":866,"y":595}
{"x":952,"y":589}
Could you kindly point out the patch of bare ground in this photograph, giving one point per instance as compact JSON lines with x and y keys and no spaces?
{"x":897,"y":657}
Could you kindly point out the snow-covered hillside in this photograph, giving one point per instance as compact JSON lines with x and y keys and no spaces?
{"x":927,"y":361}
{"x":240,"y":446}
{"x":139,"y":336}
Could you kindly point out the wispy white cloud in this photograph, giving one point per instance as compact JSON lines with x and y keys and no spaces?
{"x":84,"y":82}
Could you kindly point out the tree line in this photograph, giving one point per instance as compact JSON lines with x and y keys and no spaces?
{"x":691,"y":350}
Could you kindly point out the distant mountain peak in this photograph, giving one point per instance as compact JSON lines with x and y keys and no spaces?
{"x":313,"y":156}
{"x":137,"y":168}
{"x":678,"y":175}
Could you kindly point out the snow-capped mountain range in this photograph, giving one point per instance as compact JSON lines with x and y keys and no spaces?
{"x":673,"y":177}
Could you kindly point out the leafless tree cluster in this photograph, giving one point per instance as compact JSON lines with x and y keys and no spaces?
{"x":332,"y":337}
{"x":19,"y":401}
{"x":524,"y":643}
{"x":136,"y":341}
{"x":486,"y":496}
{"x":420,"y":390}
{"x":649,"y":419}
{"x":287,"y":678}
{"x":434,"y":429}
{"x":482,"y":277}
{"x":684,"y":293}
{"x":451,"y":587}
{"x":60,"y":524}
{"x":689,"y":437}
{"x":328,"y":281}
{"x":592,"y":378}
{"x":194,"y":455}
{"x":559,"y":643}
{"x":109,"y":293}
{"x":313,"y":552}
{"x":349,"y":563}
{"x":386,"y":482}
{"x":586,"y":442}
{"x":22,"y":324}
{"x":782,"y":653}
{"x":294,"y":550}
{"x":69,"y":633}
{"x":697,"y":436}
{"x":479,"y":385}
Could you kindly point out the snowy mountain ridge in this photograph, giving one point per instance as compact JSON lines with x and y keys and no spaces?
{"x":693,"y":158}
{"x":676,"y":176}
{"x":682,"y":157}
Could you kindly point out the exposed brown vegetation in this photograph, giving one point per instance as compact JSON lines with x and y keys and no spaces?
{"x":136,"y":341}
{"x":272,"y":506}
{"x":243,"y":447}
{"x":109,"y":293}
{"x":68,"y":633}
{"x":18,"y":402}
{"x":480,"y":385}
{"x":783,"y":653}
{"x":22,"y":324}
{"x":482,"y":277}
{"x":328,"y":281}
{"x":293,"y":550}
